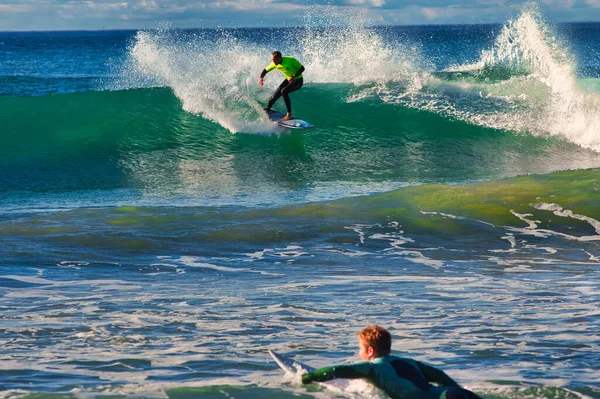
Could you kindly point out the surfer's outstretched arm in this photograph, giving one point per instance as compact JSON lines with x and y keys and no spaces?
{"x":262,"y":77}
{"x":354,"y":370}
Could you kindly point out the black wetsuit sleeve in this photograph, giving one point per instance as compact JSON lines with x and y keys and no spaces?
{"x":332,"y":372}
{"x":299,"y":71}
{"x":437,"y":376}
{"x":263,"y":73}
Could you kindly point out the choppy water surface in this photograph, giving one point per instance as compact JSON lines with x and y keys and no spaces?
{"x":158,"y":234}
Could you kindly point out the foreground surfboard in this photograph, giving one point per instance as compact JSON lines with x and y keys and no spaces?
{"x":290,"y":124}
{"x":292,"y":367}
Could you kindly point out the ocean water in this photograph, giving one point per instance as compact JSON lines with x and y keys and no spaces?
{"x":158,"y":234}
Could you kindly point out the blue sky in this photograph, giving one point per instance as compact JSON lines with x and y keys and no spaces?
{"x":20,"y":15}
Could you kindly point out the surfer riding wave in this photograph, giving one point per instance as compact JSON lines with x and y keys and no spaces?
{"x":292,"y":69}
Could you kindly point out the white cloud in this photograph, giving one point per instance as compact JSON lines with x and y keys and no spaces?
{"x":433,"y":14}
{"x":254,"y":5}
{"x":567,"y":4}
{"x":136,"y":14}
{"x":9,"y":8}
{"x":366,"y":3}
{"x":106,"y":6}
{"x":66,"y":14}
{"x":242,"y":4}
{"x":429,"y":13}
{"x":177,"y":8}
{"x":146,"y":5}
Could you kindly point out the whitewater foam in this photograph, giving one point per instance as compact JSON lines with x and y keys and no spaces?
{"x":529,"y":44}
{"x":338,"y":47}
{"x":215,"y":79}
{"x":526,"y":83}
{"x":216,"y":76}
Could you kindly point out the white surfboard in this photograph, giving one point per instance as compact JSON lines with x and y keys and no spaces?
{"x":293,"y":367}
{"x":290,"y":124}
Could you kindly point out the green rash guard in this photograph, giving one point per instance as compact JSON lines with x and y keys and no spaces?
{"x":288,"y":67}
{"x":400,"y":378}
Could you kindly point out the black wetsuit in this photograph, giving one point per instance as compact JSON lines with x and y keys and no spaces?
{"x":292,"y":69}
{"x":400,"y":378}
{"x":285,"y":88}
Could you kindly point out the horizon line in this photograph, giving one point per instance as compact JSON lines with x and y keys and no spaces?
{"x":282,"y":27}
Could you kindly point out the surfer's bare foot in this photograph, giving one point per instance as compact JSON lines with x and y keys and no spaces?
{"x":287,"y":117}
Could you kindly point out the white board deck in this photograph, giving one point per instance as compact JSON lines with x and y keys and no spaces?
{"x":290,"y":124}
{"x":292,"y":367}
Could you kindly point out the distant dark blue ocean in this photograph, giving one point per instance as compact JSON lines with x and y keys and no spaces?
{"x":158,"y":234}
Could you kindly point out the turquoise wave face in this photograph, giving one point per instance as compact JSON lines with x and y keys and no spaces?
{"x":392,"y":106}
{"x":136,"y":145}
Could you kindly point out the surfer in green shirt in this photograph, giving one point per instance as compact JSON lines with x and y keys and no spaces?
{"x":400,"y":378}
{"x":292,"y":69}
